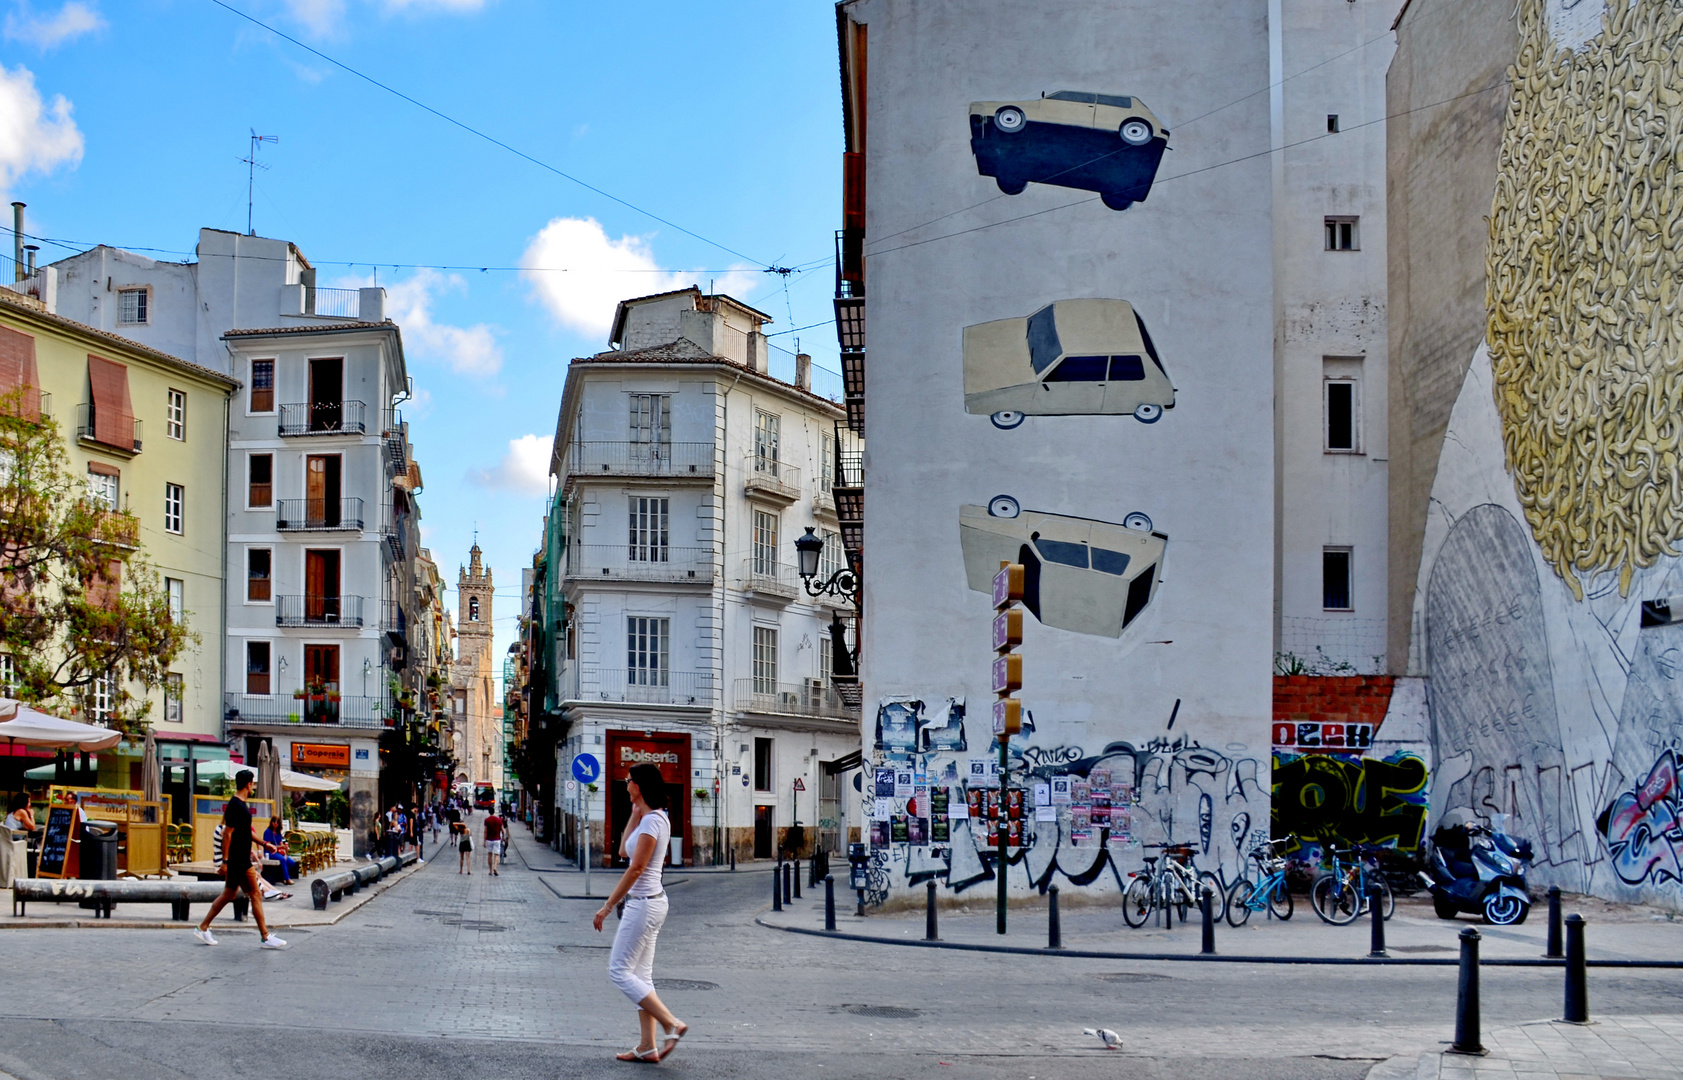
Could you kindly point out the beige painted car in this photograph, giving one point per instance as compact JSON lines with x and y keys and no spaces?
{"x":1086,"y":576}
{"x":1070,"y":358}
{"x":1108,"y":143}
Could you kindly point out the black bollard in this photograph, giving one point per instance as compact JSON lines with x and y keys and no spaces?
{"x":733,"y":859}
{"x":797,"y":879}
{"x":1577,"y":990}
{"x":930,"y":932}
{"x":1376,"y":905}
{"x":829,"y":902}
{"x":861,"y":910}
{"x":1466,"y":998}
{"x":1054,"y":928}
{"x":786,"y":883}
{"x":776,"y":888}
{"x":1554,"y":952}
{"x":1207,"y":906}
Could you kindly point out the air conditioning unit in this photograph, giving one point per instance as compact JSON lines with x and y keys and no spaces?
{"x":788,"y":699}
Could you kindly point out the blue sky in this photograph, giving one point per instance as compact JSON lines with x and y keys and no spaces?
{"x":124,"y":122}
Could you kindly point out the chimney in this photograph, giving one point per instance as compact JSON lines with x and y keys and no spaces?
{"x":17,"y":241}
{"x":30,"y":258}
{"x":803,"y":371}
{"x":758,"y":347}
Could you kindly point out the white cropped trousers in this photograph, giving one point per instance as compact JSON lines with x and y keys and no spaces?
{"x":631,"y":964}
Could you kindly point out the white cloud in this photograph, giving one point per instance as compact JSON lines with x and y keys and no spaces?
{"x":468,"y":350}
{"x":524,"y":470}
{"x":35,"y":136}
{"x":320,"y":17}
{"x":436,"y":5}
{"x":579,"y":274}
{"x":50,"y":31}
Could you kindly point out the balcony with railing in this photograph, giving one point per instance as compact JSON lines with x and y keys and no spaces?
{"x":639,"y":562}
{"x":318,"y":610}
{"x":318,"y":515}
{"x":88,"y":431}
{"x":811,"y":697}
{"x":770,"y":578}
{"x":768,"y":476}
{"x":676,"y":460}
{"x":321,"y":709}
{"x":323,"y":418}
{"x":643,"y":687}
{"x":333,"y":303}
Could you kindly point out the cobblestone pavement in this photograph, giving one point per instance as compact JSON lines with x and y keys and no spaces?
{"x":490,"y":977}
{"x":1610,"y":1048}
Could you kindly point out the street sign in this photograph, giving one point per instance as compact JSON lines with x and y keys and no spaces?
{"x":1007,"y":717}
{"x":586,"y":768}
{"x":800,"y":785}
{"x":1007,"y":630}
{"x":1008,"y":674}
{"x":1008,"y":585}
{"x":572,"y":787}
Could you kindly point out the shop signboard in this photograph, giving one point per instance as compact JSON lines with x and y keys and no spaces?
{"x":668,"y":751}
{"x":322,"y":755}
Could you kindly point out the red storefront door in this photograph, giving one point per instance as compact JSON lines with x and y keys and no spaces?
{"x":667,"y":751}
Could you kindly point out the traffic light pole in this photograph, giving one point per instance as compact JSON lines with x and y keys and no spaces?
{"x":1007,"y":710}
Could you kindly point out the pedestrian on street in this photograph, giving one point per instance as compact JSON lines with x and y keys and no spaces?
{"x":631,"y":964}
{"x":493,"y":842}
{"x":238,"y":872}
{"x":464,"y":845}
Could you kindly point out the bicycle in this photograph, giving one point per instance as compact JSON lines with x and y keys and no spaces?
{"x":1172,"y":885}
{"x":1341,"y":896}
{"x":1247,"y":896}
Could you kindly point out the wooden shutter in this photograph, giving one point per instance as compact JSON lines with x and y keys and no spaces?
{"x":17,"y":370}
{"x":113,"y":418}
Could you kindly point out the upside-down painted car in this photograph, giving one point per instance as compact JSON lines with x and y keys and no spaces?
{"x":1082,"y":575}
{"x":1108,"y":143}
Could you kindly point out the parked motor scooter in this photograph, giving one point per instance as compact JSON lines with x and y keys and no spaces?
{"x":1478,"y":869}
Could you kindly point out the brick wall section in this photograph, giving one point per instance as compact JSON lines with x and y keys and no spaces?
{"x":1360,"y":699}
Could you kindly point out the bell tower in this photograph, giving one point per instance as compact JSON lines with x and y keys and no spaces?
{"x":473,"y":615}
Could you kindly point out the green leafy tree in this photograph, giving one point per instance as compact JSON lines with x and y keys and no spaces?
{"x":79,"y":601}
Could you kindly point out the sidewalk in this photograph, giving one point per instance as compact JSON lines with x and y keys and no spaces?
{"x":1610,"y":1048}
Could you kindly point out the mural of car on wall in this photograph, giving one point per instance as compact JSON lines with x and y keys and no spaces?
{"x":1082,"y":575}
{"x":1072,"y":357}
{"x":1108,"y":143}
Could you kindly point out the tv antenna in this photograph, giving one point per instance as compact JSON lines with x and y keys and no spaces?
{"x":252,"y":165}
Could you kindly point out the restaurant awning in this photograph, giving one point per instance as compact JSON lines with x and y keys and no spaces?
{"x":23,"y":725}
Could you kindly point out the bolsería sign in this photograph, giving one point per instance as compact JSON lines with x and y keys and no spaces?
{"x":630,"y":755}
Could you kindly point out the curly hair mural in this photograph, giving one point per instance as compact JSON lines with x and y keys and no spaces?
{"x":1585,"y":290}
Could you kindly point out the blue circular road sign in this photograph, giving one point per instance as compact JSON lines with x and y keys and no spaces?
{"x":586,"y":768}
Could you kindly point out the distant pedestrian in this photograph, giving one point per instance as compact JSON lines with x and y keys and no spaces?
{"x":494,"y":841}
{"x":464,"y":847}
{"x":238,"y":873}
{"x":648,"y":834}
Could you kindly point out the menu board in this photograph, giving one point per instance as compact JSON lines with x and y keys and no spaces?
{"x":57,"y":844}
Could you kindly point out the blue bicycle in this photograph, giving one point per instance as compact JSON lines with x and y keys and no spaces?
{"x":1271,"y":892}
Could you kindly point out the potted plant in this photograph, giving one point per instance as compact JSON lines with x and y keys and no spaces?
{"x":333,"y":695}
{"x":292,"y":717}
{"x":298,"y":694}
{"x":701,"y":794}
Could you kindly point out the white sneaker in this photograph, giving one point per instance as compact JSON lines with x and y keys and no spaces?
{"x":273,"y":942}
{"x":205,"y":936}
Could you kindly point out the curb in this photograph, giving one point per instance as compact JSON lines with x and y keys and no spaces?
{"x":1218,"y":958}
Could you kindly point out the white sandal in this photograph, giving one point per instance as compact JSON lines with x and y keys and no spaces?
{"x":672,"y":1038}
{"x":651,"y":1056}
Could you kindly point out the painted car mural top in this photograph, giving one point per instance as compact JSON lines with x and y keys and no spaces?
{"x":1072,"y":357}
{"x":1082,"y":575}
{"x":1108,"y":143}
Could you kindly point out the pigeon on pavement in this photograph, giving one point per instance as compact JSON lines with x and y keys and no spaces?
{"x":1111,"y":1040}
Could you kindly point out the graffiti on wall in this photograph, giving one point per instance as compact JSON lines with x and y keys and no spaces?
{"x":1644,"y":829}
{"x":1335,"y":798}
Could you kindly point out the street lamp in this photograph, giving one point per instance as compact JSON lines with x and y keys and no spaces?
{"x":844,"y":583}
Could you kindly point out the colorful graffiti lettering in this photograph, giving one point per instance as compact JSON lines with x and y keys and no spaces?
{"x":1321,"y":797}
{"x":1643,"y":829}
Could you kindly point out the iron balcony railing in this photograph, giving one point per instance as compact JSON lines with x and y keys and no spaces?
{"x":318,"y":515}
{"x":766,"y":576}
{"x":771,"y":476}
{"x":323,"y":418}
{"x":333,"y":303}
{"x":808,"y":698}
{"x":644,"y":686}
{"x":680,"y":459}
{"x":85,"y":428}
{"x":309,"y":709}
{"x":318,"y":610}
{"x":639,"y":562}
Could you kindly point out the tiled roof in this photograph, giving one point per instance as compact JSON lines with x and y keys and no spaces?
{"x":23,"y":305}
{"x":685,"y":351}
{"x":386,"y":325}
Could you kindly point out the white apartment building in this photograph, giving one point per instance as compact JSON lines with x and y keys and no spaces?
{"x":685,"y":472}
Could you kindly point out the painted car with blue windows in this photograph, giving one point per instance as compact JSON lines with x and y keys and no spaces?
{"x":1108,"y":143}
{"x":1079,"y":574}
{"x":1070,"y":358}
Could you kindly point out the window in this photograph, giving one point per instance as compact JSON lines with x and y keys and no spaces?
{"x":1335,"y":579}
{"x":174,"y":500}
{"x":767,"y":430}
{"x":8,"y":676}
{"x":175,"y":690}
{"x":176,"y":590}
{"x":762,"y":764}
{"x":102,"y":697}
{"x":1341,"y":404}
{"x":473,"y":609}
{"x":262,"y":398}
{"x":259,"y":481}
{"x":649,"y":529}
{"x":175,"y":422}
{"x":826,"y":461}
{"x":765,"y":542}
{"x":831,"y":557}
{"x":1080,"y":369}
{"x":648,"y":650}
{"x":1332,"y":123}
{"x":257,"y":575}
{"x":765,"y":660}
{"x":1127,"y":368}
{"x":102,"y":485}
{"x":1342,"y":234}
{"x":131,"y":307}
{"x":257,"y":667}
{"x":651,"y":419}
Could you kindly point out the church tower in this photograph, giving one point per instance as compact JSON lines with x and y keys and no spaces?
{"x":474,"y":682}
{"x":473,"y":617}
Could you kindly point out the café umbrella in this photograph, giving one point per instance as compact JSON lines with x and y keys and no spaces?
{"x":151,"y":783}
{"x":21,"y":724}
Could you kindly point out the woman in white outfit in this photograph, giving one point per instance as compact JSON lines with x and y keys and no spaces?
{"x":631,"y":964}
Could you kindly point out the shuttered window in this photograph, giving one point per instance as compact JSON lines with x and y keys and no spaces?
{"x":17,"y":372}
{"x":112,"y":422}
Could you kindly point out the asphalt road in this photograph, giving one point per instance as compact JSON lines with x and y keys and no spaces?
{"x":453,"y":976}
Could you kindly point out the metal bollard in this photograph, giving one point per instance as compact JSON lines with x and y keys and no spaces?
{"x":1054,"y":928}
{"x":829,"y":902}
{"x":1376,"y":904}
{"x":1577,"y":990}
{"x":1466,"y":998}
{"x":733,"y":859}
{"x":861,"y":911}
{"x":786,"y":891}
{"x":1207,"y":905}
{"x":1554,"y":952}
{"x":797,"y":879}
{"x":930,"y":932}
{"x":776,"y":888}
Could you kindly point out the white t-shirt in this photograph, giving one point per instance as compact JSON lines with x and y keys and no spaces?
{"x":659,"y":826}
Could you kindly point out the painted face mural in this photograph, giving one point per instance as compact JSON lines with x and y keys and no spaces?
{"x":1107,"y":143}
